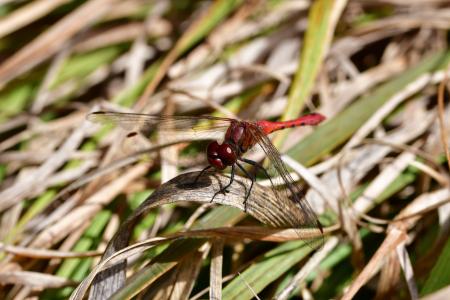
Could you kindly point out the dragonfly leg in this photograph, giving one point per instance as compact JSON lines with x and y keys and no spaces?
{"x":201,"y":173}
{"x":258,"y":166}
{"x":252,"y":178}
{"x":224,"y":189}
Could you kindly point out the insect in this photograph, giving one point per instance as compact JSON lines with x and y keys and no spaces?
{"x":238,"y":138}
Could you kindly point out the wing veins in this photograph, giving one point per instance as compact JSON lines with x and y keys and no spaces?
{"x":308,"y":217}
{"x":146,"y":123}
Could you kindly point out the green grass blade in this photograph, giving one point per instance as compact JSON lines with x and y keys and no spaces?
{"x":440,"y":274}
{"x":322,"y":20}
{"x":81,"y":65}
{"x":273,"y":264}
{"x":128,"y":96}
{"x":337,"y":130}
{"x":77,"y":268}
{"x":197,"y":31}
{"x":216,"y":13}
{"x":321,"y":25}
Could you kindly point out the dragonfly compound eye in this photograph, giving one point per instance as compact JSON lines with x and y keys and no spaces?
{"x":212,"y":153}
{"x":213,"y":150}
{"x":227,"y":154}
{"x":220,"y":156}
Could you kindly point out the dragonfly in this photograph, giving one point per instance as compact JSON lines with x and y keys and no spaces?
{"x":238,"y":137}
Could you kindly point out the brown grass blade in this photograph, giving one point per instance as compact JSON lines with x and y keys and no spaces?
{"x":262,"y":205}
{"x":397,"y":236}
{"x":215,"y":277}
{"x":441,"y":110}
{"x":54,"y":233}
{"x":27,"y":14}
{"x":44,"y":253}
{"x":53,"y":39}
{"x":117,"y":257}
{"x":187,"y":274}
{"x":35,"y":280}
{"x":394,"y":238}
{"x":23,"y":188}
{"x":405,"y":263}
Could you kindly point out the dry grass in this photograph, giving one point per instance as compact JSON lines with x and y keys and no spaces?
{"x":87,"y":212}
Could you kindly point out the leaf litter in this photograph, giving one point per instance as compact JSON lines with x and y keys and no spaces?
{"x":378,"y":169}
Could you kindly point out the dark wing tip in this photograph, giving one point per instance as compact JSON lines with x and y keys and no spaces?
{"x":92,"y":116}
{"x":319,"y":225}
{"x":131,"y":134}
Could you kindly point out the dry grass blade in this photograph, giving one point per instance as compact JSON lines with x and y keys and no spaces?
{"x":196,"y":31}
{"x":397,"y":236}
{"x":23,"y":188}
{"x":406,"y":265}
{"x":27,"y":14}
{"x":366,"y":201}
{"x":91,"y":206}
{"x":393,"y":240}
{"x":71,"y":190}
{"x":60,"y":124}
{"x":262,"y":204}
{"x":442,"y":294}
{"x":179,"y":283}
{"x":315,"y":260}
{"x":259,"y":233}
{"x":114,"y":259}
{"x":121,"y":34}
{"x":187,"y":274}
{"x":44,"y":253}
{"x":411,"y":214}
{"x":444,"y":130}
{"x":313,"y":181}
{"x":389,"y":276}
{"x":110,"y":168}
{"x":51,"y":41}
{"x":387,"y":108}
{"x":35,"y":280}
{"x":215,"y":286}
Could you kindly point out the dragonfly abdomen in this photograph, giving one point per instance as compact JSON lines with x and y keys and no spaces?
{"x":310,"y":119}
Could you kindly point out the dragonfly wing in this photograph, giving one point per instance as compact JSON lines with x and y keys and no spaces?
{"x":284,"y":186}
{"x":171,"y":128}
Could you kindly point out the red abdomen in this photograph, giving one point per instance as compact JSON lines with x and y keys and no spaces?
{"x":310,"y":119}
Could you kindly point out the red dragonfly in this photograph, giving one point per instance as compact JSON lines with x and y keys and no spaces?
{"x":238,"y":138}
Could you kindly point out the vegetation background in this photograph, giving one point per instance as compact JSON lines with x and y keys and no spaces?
{"x":378,"y":168}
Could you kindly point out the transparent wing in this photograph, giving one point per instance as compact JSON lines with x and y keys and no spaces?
{"x":171,"y":128}
{"x":284,"y":186}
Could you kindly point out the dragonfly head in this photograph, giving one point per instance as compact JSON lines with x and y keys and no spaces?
{"x":220,"y":156}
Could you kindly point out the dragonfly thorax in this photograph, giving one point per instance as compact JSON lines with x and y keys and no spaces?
{"x":236,"y":143}
{"x":238,"y":136}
